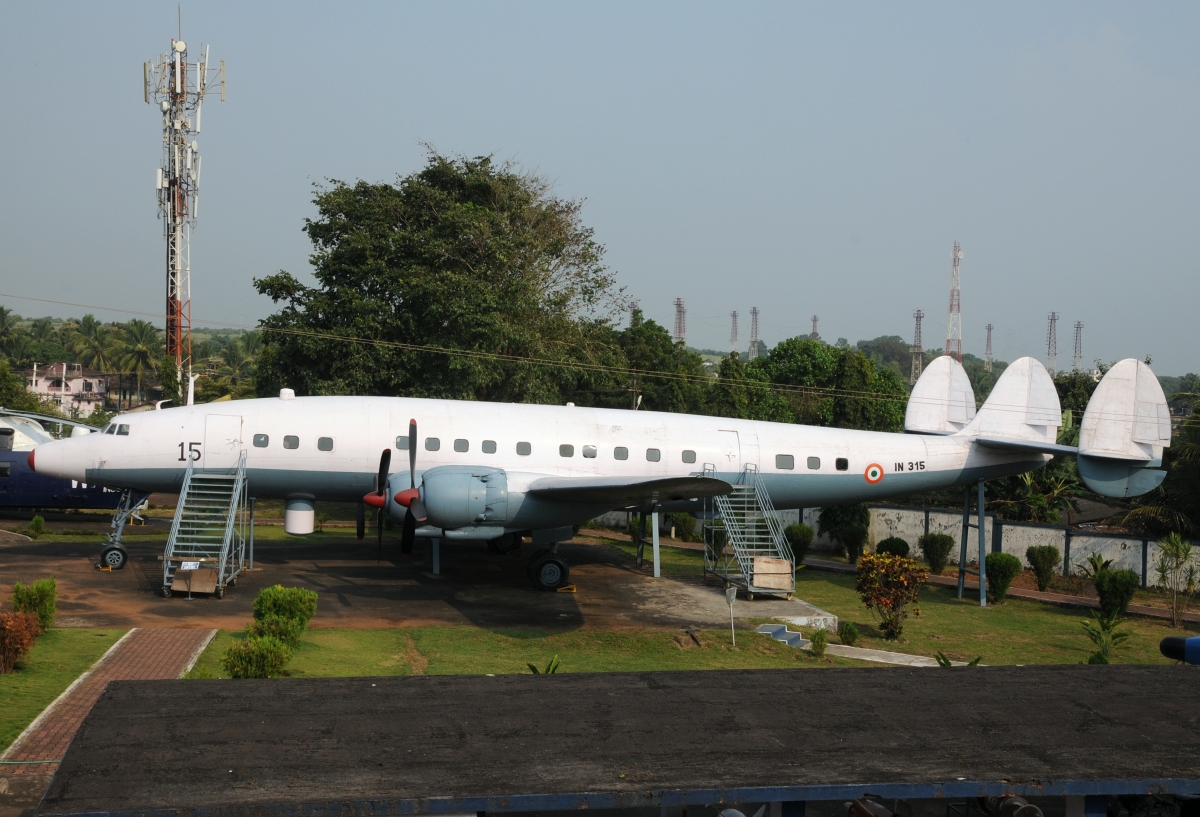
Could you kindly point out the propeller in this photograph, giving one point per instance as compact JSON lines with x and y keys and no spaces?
{"x":411,"y":498}
{"x":377,"y":500}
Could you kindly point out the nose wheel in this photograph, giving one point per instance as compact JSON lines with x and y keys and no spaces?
{"x":547,"y":570}
{"x":113,"y":557}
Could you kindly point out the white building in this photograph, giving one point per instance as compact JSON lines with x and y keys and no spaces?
{"x":77,"y":391}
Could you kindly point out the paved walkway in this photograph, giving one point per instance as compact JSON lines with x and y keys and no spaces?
{"x":140,"y":654}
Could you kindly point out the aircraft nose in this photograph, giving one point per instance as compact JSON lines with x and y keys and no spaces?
{"x":54,"y":459}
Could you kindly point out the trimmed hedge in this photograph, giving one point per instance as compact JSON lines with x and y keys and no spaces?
{"x":297,"y":603}
{"x":847,"y":633}
{"x":1115,"y":589}
{"x":818,"y":642}
{"x":800,"y":538}
{"x":1002,"y":568}
{"x":936,"y":547}
{"x":893,"y":546}
{"x":18,"y":631}
{"x":286,"y":630}
{"x":1044,"y":559}
{"x":256,"y":657}
{"x":40,"y":599}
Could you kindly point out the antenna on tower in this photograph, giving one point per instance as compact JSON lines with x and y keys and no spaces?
{"x":1077,"y":358}
{"x":918,"y":351}
{"x":680,"y":333}
{"x":954,"y":326}
{"x":987,"y":351}
{"x":179,"y":87}
{"x":1052,"y":344}
{"x":733,"y":316}
{"x":815,"y":334}
{"x":753,"y":333}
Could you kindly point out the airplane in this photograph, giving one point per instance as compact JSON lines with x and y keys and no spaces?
{"x":20,"y":433}
{"x":498,"y":473}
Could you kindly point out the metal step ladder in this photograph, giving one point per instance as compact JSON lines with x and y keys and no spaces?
{"x":744,"y":545}
{"x":211,"y":524}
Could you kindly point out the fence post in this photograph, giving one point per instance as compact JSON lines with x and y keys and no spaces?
{"x":926,"y":521}
{"x":1145,"y":560}
{"x":997,"y":535}
{"x":982,"y":551}
{"x":962,"y":551}
{"x":1067,"y":554}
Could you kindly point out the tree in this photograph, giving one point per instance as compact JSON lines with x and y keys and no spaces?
{"x":142,"y":349}
{"x":648,"y":347}
{"x":1174,"y":506}
{"x":13,"y":394}
{"x":745,"y":392}
{"x":463,"y":255}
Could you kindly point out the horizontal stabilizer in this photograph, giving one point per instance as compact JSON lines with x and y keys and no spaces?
{"x":1118,"y":478}
{"x":942,"y":401}
{"x":1026,"y":445}
{"x":1023,"y":407}
{"x":620,"y":492}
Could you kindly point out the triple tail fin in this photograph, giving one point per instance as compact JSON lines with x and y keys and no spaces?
{"x":1125,"y":428}
{"x":942,"y":401}
{"x":1022,"y":413}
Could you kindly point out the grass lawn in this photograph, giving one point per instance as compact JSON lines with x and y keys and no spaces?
{"x":59,"y":657}
{"x":471,"y":651}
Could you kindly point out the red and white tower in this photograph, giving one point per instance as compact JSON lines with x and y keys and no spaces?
{"x":954,"y":326}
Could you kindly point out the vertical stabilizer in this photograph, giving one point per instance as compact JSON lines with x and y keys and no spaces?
{"x":1023,"y":406}
{"x":1125,"y":428}
{"x":942,"y":401}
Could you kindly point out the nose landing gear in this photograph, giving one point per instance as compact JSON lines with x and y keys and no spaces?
{"x":547,"y":570}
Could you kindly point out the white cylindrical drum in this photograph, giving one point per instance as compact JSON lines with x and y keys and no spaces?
{"x":299,"y":515}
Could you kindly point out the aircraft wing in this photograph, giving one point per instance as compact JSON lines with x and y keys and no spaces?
{"x":1007,"y":444}
{"x":628,"y":491}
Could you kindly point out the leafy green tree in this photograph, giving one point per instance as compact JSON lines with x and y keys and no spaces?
{"x":745,"y":392}
{"x":647,"y":348}
{"x":465,"y":255}
{"x":13,"y":394}
{"x":1174,"y":506}
{"x":142,"y":350}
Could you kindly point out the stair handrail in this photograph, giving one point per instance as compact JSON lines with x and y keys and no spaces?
{"x":235,"y":497}
{"x":183,"y":492}
{"x":774,"y":523}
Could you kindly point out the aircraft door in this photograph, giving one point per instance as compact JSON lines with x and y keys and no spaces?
{"x":729,"y":453}
{"x":222,"y":442}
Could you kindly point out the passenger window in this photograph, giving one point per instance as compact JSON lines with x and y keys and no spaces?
{"x":5,"y":470}
{"x":785,"y":462}
{"x":402,"y":442}
{"x":814,"y":463}
{"x":291,"y":441}
{"x":524,"y":449}
{"x":653,"y":455}
{"x":432,"y":443}
{"x":324,"y":443}
{"x":489,"y":446}
{"x":461,"y":445}
{"x":841,"y":463}
{"x":589,"y":451}
{"x":261,"y":440}
{"x":689,"y":456}
{"x":122,"y":430}
{"x":566,"y":451}
{"x":620,"y":453}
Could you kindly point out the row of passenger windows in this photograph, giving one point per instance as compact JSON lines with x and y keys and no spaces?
{"x":786,"y":462}
{"x":291,"y":441}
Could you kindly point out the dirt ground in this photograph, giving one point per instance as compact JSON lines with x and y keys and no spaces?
{"x":476,"y":587}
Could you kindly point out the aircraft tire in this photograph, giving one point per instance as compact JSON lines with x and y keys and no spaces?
{"x":550,"y":573}
{"x":113,"y":557}
{"x":534,"y":561}
{"x":505,"y":544}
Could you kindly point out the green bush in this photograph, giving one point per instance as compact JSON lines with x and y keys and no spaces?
{"x":848,"y":524}
{"x":1115,"y":589}
{"x":1044,"y":560}
{"x":256,"y":657}
{"x":286,"y":630}
{"x":800,"y":538}
{"x":936,"y":547}
{"x":287,"y":602}
{"x":684,"y":525}
{"x":847,"y":633}
{"x":1002,"y":568}
{"x":818,"y":642}
{"x":39,"y":599}
{"x":37,"y":526}
{"x":893,"y":546}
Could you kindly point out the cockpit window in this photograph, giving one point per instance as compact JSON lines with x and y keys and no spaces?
{"x":106,"y":428}
{"x":111,"y":428}
{"x":122,"y":430}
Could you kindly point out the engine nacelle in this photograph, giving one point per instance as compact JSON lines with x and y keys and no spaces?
{"x":458,"y":496}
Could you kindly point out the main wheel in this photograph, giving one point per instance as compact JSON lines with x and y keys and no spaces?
{"x":113,"y":557}
{"x":550,"y":573}
{"x":166,"y":592}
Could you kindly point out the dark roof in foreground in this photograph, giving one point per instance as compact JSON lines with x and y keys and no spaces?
{"x":517,"y":742}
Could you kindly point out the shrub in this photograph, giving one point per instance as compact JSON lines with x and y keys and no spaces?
{"x":936,"y":547}
{"x":286,"y":602}
{"x":286,"y":630}
{"x":684,"y":525}
{"x":550,"y":669}
{"x":1115,"y":589}
{"x":1002,"y":568}
{"x":18,"y":631}
{"x":893,"y":546}
{"x":888,"y":585}
{"x":1105,"y":636}
{"x":37,"y":526}
{"x":848,"y":633}
{"x":800,"y":539}
{"x":848,"y":524}
{"x":256,"y":657}
{"x":818,"y":642}
{"x":1044,"y":560}
{"x":40,"y":599}
{"x":852,"y":540}
{"x":1176,"y":569}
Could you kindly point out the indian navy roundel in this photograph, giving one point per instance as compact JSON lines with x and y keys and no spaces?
{"x":874,"y":473}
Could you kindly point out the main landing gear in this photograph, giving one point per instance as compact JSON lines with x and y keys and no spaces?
{"x":547,"y":570}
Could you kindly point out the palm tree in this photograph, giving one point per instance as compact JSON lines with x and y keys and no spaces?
{"x":20,"y":348}
{"x":142,"y":350}
{"x":8,"y":327}
{"x":252,"y":343}
{"x":42,"y":329}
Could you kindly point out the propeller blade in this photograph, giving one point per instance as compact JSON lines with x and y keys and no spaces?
{"x":408,"y":535}
{"x":412,"y":452}
{"x":385,"y":462}
{"x":416,"y":509}
{"x":379,"y":534}
{"x":360,"y":521}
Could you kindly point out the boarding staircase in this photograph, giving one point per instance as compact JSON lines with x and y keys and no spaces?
{"x":212,"y":521}
{"x":744,"y":545}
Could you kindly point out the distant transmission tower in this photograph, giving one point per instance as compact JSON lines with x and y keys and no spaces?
{"x":987,"y":351}
{"x":954,"y":327}
{"x":1052,"y":344}
{"x":179,"y":87}
{"x":733,"y":316}
{"x":1077,"y":358}
{"x":815,"y":334}
{"x":680,"y":333}
{"x":918,"y":351}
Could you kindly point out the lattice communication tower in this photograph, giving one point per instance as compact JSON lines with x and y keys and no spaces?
{"x":733,"y":316}
{"x":815,"y":334}
{"x":680,"y":333}
{"x":1077,"y":358}
{"x":180,"y":87}
{"x":987,"y":351}
{"x":753,"y":333}
{"x":954,"y":326}
{"x":1052,"y":344}
{"x":918,"y":351}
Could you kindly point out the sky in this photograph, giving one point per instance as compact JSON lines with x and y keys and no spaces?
{"x":802,"y":158}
